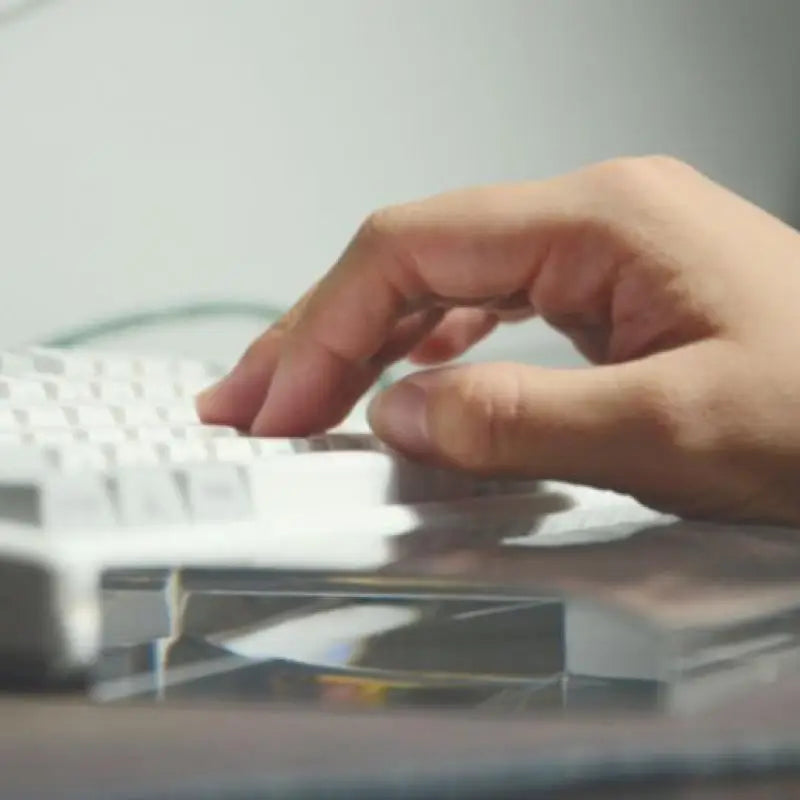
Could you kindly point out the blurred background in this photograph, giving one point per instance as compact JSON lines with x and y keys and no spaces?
{"x":160,"y":152}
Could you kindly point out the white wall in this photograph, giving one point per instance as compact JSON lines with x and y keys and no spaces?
{"x":154,"y":151}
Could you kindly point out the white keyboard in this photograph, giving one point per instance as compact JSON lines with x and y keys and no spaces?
{"x":104,"y":465}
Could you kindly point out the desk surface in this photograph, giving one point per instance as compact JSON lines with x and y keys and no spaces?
{"x":464,"y":661}
{"x":676,"y":619}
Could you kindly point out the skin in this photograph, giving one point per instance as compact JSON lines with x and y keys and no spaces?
{"x":684,"y":296}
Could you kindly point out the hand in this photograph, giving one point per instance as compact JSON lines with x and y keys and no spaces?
{"x":686,"y":297}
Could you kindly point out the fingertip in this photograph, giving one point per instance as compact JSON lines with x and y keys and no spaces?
{"x":433,"y":350}
{"x":206,"y":401}
{"x":453,"y":336}
{"x":219,"y":404}
{"x":310,"y":391}
{"x":235,"y":399}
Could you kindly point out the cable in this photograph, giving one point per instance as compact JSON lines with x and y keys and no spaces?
{"x":145,"y":319}
{"x":12,"y":11}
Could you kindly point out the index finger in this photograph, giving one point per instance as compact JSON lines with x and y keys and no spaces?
{"x":467,"y":249}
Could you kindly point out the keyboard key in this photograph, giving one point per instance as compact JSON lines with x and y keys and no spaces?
{"x":160,"y":392}
{"x":80,"y":457}
{"x":9,"y":420}
{"x":205,"y":432}
{"x":90,"y":416}
{"x":371,"y":479}
{"x":151,"y":433}
{"x":166,"y":433}
{"x":178,"y":451}
{"x":20,"y":391}
{"x":183,"y":369}
{"x":183,"y":414}
{"x":57,"y":437}
{"x":131,"y":453}
{"x":239,"y":450}
{"x":151,"y":368}
{"x":116,"y":367}
{"x":145,"y":414}
{"x":77,"y":501}
{"x":265,"y":447}
{"x":188,"y":389}
{"x":64,"y":362}
{"x":342,"y":441}
{"x":215,"y":492}
{"x":114,"y":392}
{"x":60,"y":501}
{"x":147,"y":497}
{"x":44,"y":416}
{"x":106,"y":435}
{"x":188,"y":370}
{"x":16,"y":364}
{"x":22,"y":461}
{"x":244,"y":449}
{"x":66,"y":391}
{"x":140,"y":414}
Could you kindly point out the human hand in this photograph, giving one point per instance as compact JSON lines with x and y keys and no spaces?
{"x":685,"y":297}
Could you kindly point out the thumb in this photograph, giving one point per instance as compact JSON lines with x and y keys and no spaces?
{"x":609,"y":426}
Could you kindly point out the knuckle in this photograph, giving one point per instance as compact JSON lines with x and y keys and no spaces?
{"x":636,"y":178}
{"x":380,"y":226}
{"x":629,"y":198}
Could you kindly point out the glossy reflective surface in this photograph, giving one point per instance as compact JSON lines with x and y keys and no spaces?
{"x":677,"y":619}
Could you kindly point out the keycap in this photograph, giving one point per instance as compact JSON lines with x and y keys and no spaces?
{"x":75,"y":501}
{"x":215,"y":492}
{"x":53,"y":436}
{"x":64,"y":362}
{"x":339,"y":441}
{"x":161,"y":392}
{"x":183,"y":413}
{"x":246,"y":449}
{"x":19,"y":391}
{"x":15,"y":363}
{"x":43,"y":416}
{"x":90,"y":416}
{"x":373,"y":478}
{"x":131,"y":453}
{"x":65,"y":391}
{"x":117,"y":367}
{"x":140,"y":414}
{"x":105,"y":435}
{"x":21,"y":461}
{"x":151,"y":433}
{"x":147,"y":496}
{"x":114,"y":392}
{"x":58,"y":500}
{"x":204,"y":432}
{"x":107,"y":366}
{"x":178,"y":451}
{"x":9,"y":420}
{"x":80,"y":457}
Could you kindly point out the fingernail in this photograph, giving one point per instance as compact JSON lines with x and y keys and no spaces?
{"x":399,"y":416}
